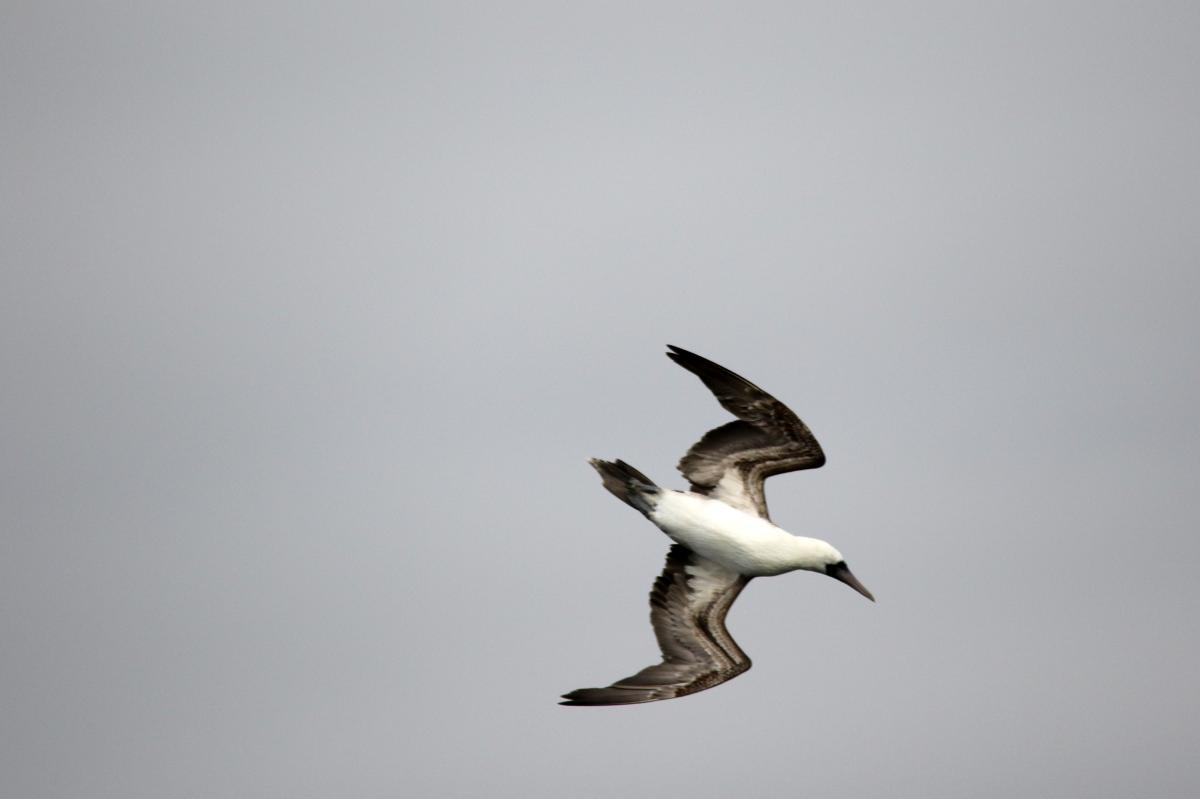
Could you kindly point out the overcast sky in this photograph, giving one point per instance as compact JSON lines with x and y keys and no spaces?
{"x":310,"y":318}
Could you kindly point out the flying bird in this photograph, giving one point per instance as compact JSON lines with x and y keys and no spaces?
{"x":723,"y":537}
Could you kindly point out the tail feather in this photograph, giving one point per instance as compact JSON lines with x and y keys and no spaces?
{"x":627,"y":484}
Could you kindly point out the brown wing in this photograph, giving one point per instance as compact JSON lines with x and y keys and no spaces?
{"x":731,"y":462}
{"x":687,"y":610}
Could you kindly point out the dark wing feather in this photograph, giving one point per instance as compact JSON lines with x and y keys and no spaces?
{"x":731,"y":462}
{"x":687,"y":610}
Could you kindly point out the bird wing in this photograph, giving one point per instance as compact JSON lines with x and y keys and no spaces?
{"x":687,"y":610}
{"x":731,"y":462}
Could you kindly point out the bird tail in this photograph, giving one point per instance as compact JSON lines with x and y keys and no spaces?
{"x":628,"y":484}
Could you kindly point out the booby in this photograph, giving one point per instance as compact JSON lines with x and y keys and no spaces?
{"x":723,"y":537}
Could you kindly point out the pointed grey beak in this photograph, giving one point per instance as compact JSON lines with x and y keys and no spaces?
{"x":839,"y":571}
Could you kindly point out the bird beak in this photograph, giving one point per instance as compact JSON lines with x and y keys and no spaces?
{"x":839,"y":571}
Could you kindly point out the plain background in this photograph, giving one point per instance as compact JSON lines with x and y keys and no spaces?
{"x":310,"y":315}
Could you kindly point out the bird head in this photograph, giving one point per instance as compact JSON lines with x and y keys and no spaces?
{"x":814,"y":554}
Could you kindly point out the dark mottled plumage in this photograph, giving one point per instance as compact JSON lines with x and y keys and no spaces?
{"x":731,"y":462}
{"x":687,"y":609}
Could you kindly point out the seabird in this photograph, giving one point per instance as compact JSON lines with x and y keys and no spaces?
{"x":723,"y":537}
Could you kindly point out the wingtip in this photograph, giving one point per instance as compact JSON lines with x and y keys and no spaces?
{"x":683,"y":357}
{"x":572,"y":698}
{"x":606,"y":697}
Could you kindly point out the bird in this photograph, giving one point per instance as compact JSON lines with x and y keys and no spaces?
{"x":722,"y":537}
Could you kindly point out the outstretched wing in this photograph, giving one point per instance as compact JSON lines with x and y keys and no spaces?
{"x":687,"y":609}
{"x":731,"y":462}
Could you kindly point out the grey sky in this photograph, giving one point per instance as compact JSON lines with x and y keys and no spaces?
{"x":309,"y":320}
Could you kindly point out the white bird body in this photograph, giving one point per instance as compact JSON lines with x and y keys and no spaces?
{"x":741,"y":542}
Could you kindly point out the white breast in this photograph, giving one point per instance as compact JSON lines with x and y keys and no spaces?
{"x":740,"y":541}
